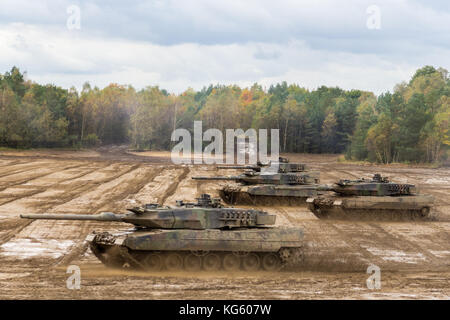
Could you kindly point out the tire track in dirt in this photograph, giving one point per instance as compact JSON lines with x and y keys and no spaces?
{"x":65,"y":195}
{"x":391,"y":252}
{"x":188,"y":189}
{"x":105,"y":187}
{"x":9,"y":169}
{"x":441,"y":229}
{"x":69,"y":191}
{"x":16,"y":224}
{"x":440,"y":196}
{"x":12,"y":162}
{"x":36,"y":189}
{"x":156,"y":189}
{"x":28,"y":179}
{"x":400,"y":236}
{"x":326,"y":250}
{"x":174,"y":185}
{"x":444,"y":228}
{"x":346,"y":231}
{"x":283,"y":215}
{"x":48,"y":204}
{"x":130,"y":189}
{"x":7,"y":199}
{"x":66,"y":233}
{"x":11,"y":227}
{"x":21,"y":224}
{"x":9,"y":162}
{"x":25,"y":167}
{"x":298,"y":214}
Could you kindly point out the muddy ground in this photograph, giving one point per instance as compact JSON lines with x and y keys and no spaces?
{"x":414,"y":257}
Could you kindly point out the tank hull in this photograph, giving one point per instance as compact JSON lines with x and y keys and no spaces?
{"x":248,"y":249}
{"x":268,"y":195}
{"x":398,"y":208}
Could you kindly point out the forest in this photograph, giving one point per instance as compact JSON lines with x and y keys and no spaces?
{"x":410,"y":124}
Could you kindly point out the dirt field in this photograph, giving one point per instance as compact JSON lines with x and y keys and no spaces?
{"x":414,"y":257}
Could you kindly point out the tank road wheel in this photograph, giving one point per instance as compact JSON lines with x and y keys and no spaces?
{"x":211,"y":262}
{"x":251,"y":262}
{"x":271,"y":262}
{"x":425,"y":212}
{"x":173,"y":261}
{"x":153,"y":262}
{"x":231,"y":262}
{"x":192,"y":262}
{"x":418,"y":215}
{"x":291,"y":256}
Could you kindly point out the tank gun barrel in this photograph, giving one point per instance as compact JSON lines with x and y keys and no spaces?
{"x":325,"y":187}
{"x":231,"y":178}
{"x":240,"y":167}
{"x":104,"y":216}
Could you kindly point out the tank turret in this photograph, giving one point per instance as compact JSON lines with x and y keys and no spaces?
{"x":206,"y":213}
{"x":377,"y":186}
{"x":192,"y":236}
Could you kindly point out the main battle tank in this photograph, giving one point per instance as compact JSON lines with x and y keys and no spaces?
{"x":272,"y":184}
{"x":371,"y":199}
{"x":193,"y":236}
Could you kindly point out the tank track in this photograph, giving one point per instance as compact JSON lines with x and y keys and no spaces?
{"x":326,"y":210}
{"x":239,"y":197}
{"x":121,"y":257}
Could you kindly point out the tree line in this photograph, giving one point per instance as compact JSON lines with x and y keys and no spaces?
{"x":410,"y":124}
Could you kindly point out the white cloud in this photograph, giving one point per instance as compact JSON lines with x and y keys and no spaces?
{"x":181,"y":44}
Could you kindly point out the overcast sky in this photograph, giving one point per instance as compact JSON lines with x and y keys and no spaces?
{"x":192,"y":43}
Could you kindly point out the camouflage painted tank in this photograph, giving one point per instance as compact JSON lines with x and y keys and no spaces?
{"x":374,"y":199}
{"x":271,"y":184}
{"x":193,"y":236}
